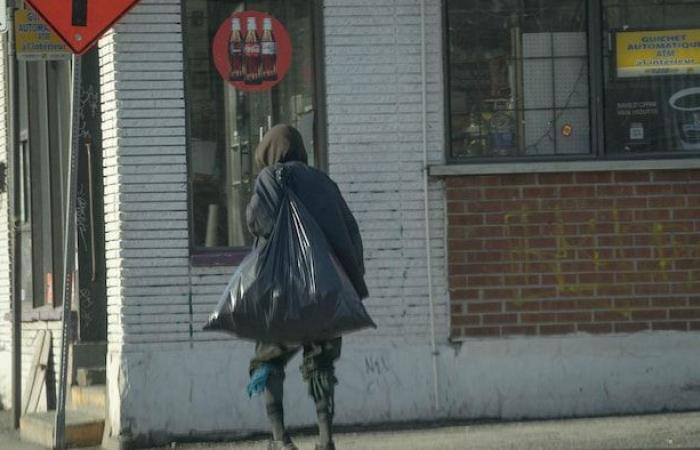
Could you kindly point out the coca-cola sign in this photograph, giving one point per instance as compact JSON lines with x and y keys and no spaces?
{"x":252,"y":51}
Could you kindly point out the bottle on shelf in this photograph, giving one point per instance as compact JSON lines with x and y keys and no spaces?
{"x":235,"y":50}
{"x":474,"y":135}
{"x":269,"y":52}
{"x":252,"y":73}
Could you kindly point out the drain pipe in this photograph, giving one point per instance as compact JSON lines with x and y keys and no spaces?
{"x":426,"y":204}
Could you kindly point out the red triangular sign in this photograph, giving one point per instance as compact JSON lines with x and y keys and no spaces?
{"x":80,"y":23}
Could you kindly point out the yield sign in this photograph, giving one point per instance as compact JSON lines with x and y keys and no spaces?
{"x":81,"y":22}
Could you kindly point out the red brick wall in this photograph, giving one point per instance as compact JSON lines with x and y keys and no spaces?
{"x":594,"y":252}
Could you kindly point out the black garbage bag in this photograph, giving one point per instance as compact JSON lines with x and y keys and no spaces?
{"x":292,"y":289}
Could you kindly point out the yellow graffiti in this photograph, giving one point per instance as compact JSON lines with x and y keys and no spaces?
{"x":560,"y":260}
{"x":658,"y":241}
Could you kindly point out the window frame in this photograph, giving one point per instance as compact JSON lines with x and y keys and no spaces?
{"x":596,"y":106}
{"x":231,"y":256}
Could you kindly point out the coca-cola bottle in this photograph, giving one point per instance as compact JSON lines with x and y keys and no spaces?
{"x":269,"y":52}
{"x":252,"y":73}
{"x":235,"y":50}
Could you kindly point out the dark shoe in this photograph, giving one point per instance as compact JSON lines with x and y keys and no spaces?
{"x":279,"y":445}
{"x":330,"y":446}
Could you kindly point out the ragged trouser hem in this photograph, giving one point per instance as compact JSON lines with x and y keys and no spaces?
{"x":317,"y":368}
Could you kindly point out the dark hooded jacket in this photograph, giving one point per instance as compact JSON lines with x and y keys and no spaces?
{"x":282,"y":150}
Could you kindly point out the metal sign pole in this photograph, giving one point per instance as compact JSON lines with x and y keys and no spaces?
{"x":13,"y":157}
{"x":68,"y":252}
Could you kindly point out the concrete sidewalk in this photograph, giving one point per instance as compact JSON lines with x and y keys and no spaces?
{"x":661,"y":431}
{"x":9,"y":438}
{"x":631,"y":432}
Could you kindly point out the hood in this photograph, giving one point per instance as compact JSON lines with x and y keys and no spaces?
{"x":282,"y":143}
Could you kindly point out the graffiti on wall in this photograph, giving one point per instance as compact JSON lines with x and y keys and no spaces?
{"x":600,"y":254}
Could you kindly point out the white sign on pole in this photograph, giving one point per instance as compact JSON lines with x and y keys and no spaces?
{"x":3,"y":16}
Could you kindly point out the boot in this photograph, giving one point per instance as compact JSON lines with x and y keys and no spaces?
{"x":274,"y":393}
{"x":281,"y":445}
{"x":322,"y":389}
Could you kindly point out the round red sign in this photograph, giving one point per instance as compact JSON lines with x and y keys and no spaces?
{"x":252,"y":51}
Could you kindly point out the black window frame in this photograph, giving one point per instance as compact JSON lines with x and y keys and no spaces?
{"x":228,"y":256}
{"x":596,"y":107}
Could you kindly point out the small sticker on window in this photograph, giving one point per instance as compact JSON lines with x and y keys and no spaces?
{"x":636,"y":131}
{"x":567,"y":130}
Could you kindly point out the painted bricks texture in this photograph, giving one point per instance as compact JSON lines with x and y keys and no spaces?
{"x":599,"y":252}
{"x":145,"y":177}
{"x":379,"y":172}
{"x":375,"y":153}
{"x":155,"y":297}
{"x":5,"y":223}
{"x":149,"y":300}
{"x":161,"y":368}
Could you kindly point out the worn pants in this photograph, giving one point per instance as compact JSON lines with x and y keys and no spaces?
{"x":318,"y":356}
{"x":318,"y":371}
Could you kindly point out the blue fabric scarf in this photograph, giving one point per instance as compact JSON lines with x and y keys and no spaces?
{"x":258,"y":380}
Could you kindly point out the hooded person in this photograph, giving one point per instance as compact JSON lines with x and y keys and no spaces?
{"x":283,"y":147}
{"x":282,"y":151}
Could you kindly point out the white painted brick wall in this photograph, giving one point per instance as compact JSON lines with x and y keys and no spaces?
{"x":373,"y":79}
{"x":207,"y":285}
{"x":374,"y":86}
{"x":162,"y":383}
{"x":375,"y":152}
{"x":146,"y":221}
{"x":5,"y":292}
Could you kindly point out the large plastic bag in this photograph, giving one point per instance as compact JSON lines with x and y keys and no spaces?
{"x":292,"y":289}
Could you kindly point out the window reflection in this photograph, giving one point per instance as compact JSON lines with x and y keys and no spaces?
{"x":225,"y":124}
{"x":518,"y":78}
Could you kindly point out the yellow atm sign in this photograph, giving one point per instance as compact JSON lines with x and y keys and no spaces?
{"x":657,"y":53}
{"x":35,"y":40}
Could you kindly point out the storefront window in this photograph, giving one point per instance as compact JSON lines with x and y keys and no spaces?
{"x":225,"y":124}
{"x":518,"y":78}
{"x":652,"y":76}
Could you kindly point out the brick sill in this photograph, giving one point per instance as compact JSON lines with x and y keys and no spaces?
{"x":219,"y":258}
{"x":40,"y":314}
{"x":457,"y":340}
{"x":445,"y":170}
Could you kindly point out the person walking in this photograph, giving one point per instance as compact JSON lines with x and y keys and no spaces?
{"x":282,"y":151}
